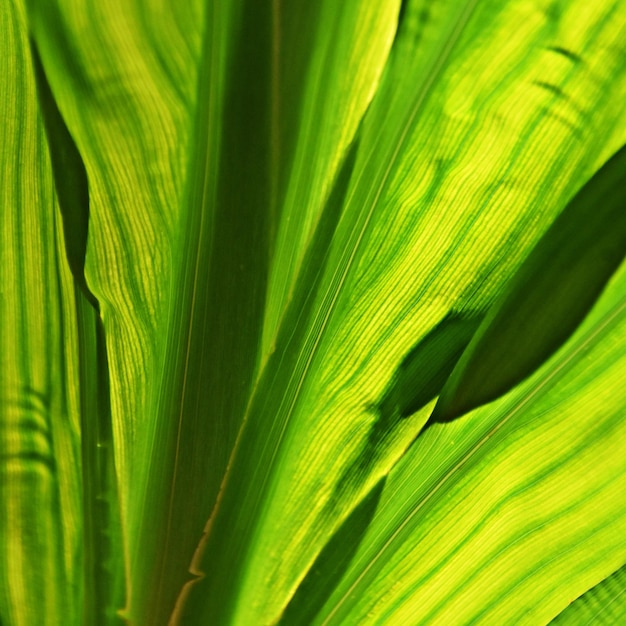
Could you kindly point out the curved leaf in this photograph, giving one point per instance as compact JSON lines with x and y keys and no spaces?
{"x":548,"y":296}
{"x":505,"y":516}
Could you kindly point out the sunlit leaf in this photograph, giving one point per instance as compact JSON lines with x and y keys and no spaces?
{"x":603,"y":604}
{"x":548,"y":297}
{"x":245,"y":246}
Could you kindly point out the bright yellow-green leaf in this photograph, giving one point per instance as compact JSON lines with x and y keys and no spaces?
{"x":602,"y":604}
{"x":548,"y":296}
{"x":505,"y":514}
{"x":244,"y":245}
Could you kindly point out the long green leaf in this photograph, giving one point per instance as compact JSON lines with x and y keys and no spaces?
{"x":41,"y":526}
{"x":103,"y":581}
{"x":276,"y":228}
{"x":123,"y":76}
{"x":126,"y":63}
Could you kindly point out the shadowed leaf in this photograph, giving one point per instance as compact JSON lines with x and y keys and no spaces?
{"x":548,"y":297}
{"x":332,"y":562}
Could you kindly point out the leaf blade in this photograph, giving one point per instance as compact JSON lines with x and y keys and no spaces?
{"x":525,"y":518}
{"x":548,"y":296}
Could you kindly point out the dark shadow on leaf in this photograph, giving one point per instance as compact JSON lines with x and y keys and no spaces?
{"x":332,"y":562}
{"x":70,"y":179}
{"x":423,"y":371}
{"x":547,"y":298}
{"x":418,"y":379}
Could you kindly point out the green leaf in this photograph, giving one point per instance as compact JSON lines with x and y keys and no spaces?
{"x":124,"y":78}
{"x":345,"y":61}
{"x":41,"y":529}
{"x":332,"y":562}
{"x":70,"y":179}
{"x":101,"y":520}
{"x":548,"y":296}
{"x":505,"y":516}
{"x":603,"y":604}
{"x":426,"y":229}
{"x":291,"y":218}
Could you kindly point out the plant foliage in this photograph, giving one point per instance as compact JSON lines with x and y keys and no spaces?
{"x":312,"y":312}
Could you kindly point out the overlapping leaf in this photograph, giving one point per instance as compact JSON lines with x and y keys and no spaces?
{"x":428,"y":229}
{"x":547,"y":298}
{"x":505,"y":514}
{"x":297,"y":210}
